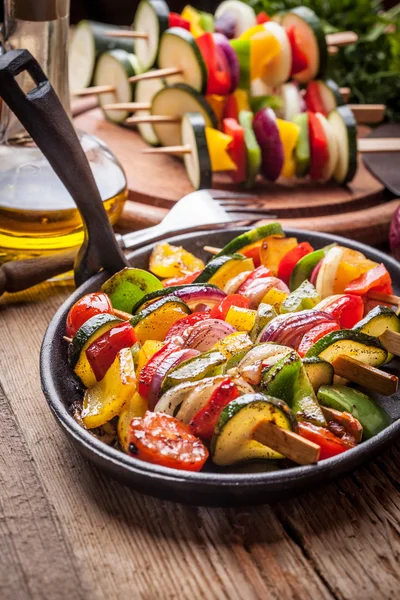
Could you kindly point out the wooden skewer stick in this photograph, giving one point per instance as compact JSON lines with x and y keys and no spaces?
{"x":127,"y":33}
{"x":345,"y":91}
{"x":368,"y":113}
{"x":367,"y":145}
{"x":153,"y":119}
{"x":342,"y":38}
{"x":386,"y":298}
{"x":155,"y":74}
{"x":212,"y":249}
{"x":288,"y":443}
{"x":365,"y":375}
{"x":128,"y":106}
{"x":332,"y":50}
{"x":391,"y":341}
{"x":67,"y":339}
{"x":122,"y":314}
{"x":96,"y":89}
{"x":168,"y":150}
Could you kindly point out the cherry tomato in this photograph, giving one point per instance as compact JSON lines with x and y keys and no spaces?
{"x":102,"y":352}
{"x":258,"y":273}
{"x":377,"y":279}
{"x":182,"y":324}
{"x":181,"y":280}
{"x":316,"y":333}
{"x":346,"y":309}
{"x":318,"y":146}
{"x":221,"y":310}
{"x":204,"y":421}
{"x":330,"y":444}
{"x":163,"y":440}
{"x":86,"y":307}
{"x":290,"y":260}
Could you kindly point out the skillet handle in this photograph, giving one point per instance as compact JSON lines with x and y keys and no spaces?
{"x":45,"y":119}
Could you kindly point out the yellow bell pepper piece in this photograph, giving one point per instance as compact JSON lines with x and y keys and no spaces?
{"x":217,"y":103}
{"x":275,"y":298}
{"x":233,"y":343}
{"x":107,"y":397}
{"x":242,"y":319}
{"x":272,"y":250}
{"x":135,"y":407}
{"x":264,"y":47}
{"x":149,"y":348}
{"x":82,"y":368}
{"x":229,"y":270}
{"x":190,"y":14}
{"x":172,"y":261}
{"x":156,"y":324}
{"x":250,"y":33}
{"x":242,"y":100}
{"x":352,"y":265}
{"x":289,"y":133}
{"x":218,"y":144}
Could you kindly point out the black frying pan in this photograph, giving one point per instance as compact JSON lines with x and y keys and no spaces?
{"x":56,"y":138}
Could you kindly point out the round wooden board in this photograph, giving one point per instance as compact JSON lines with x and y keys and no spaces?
{"x":161,"y":180}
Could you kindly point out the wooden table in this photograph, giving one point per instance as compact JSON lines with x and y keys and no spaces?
{"x":68,"y":532}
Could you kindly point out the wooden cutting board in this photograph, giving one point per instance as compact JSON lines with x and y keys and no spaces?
{"x":358,"y":210}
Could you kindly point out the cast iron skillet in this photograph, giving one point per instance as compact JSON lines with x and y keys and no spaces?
{"x":212,"y":487}
{"x":43,"y":116}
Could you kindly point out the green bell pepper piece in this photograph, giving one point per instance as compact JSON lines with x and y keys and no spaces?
{"x":253,"y":150}
{"x":304,"y":298}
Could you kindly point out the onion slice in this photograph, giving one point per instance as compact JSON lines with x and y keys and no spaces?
{"x":205,"y":334}
{"x":289,"y":329}
{"x":168,"y":363}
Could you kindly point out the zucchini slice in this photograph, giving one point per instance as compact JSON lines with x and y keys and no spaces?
{"x":178,"y":48}
{"x":251,"y":237}
{"x":312,"y":38}
{"x":153,"y":322}
{"x":278,"y":69}
{"x":88,"y":42}
{"x":175,"y":101}
{"x":233,"y":438}
{"x":344,"y":127}
{"x":152,"y":17}
{"x":115,"y":68}
{"x":346,"y":342}
{"x":206,"y":364}
{"x":378,"y":320}
{"x":198,"y":162}
{"x":333,"y":150}
{"x":84,"y":337}
{"x":319,"y":372}
{"x":145,"y":91}
{"x":223,"y":268}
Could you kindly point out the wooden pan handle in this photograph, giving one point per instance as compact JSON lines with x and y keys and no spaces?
{"x":19,"y":275}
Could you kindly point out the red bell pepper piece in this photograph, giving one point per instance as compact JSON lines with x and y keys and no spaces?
{"x":102,"y":352}
{"x":221,"y":310}
{"x":346,"y":309}
{"x":313,"y":99}
{"x":262,"y":18}
{"x":299,"y":58}
{"x":151,"y":367}
{"x":258,"y":273}
{"x":204,"y":421}
{"x":291,"y":258}
{"x":180,"y":280}
{"x":182,"y":324}
{"x":231,"y":110}
{"x":329,"y":443}
{"x":253,"y":251}
{"x":237,"y":148}
{"x":378,"y":277}
{"x":219,"y":77}
{"x":318,"y":147}
{"x":316,"y":333}
{"x":175,"y":20}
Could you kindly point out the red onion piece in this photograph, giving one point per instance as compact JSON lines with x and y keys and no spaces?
{"x":314,"y":274}
{"x":205,"y":334}
{"x":231,"y":58}
{"x":168,"y":363}
{"x":200,"y":294}
{"x":289,"y":329}
{"x":256,"y":291}
{"x":226,"y":25}
{"x":267,"y":134}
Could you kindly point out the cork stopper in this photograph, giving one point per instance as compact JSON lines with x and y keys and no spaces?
{"x":40,"y":10}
